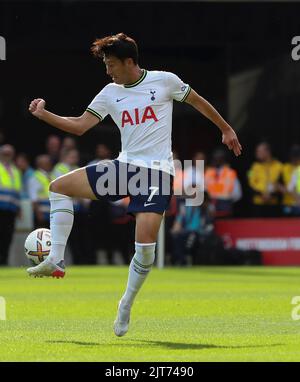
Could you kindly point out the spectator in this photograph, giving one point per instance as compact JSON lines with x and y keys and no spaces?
{"x":53,"y":147}
{"x":222,"y":184}
{"x":102,"y":152}
{"x":68,"y":143}
{"x":10,"y":188}
{"x":23,"y":164}
{"x":191,"y":222}
{"x":193,"y":175}
{"x":289,"y":200}
{"x":294,"y":186}
{"x":68,"y":162}
{"x":38,"y":186}
{"x":78,"y":240}
{"x":263,"y":177}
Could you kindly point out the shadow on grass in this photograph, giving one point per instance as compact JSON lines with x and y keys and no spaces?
{"x":75,"y":343}
{"x":189,"y":346}
{"x":166,"y":344}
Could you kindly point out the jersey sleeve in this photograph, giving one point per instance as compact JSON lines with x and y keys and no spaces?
{"x":98,"y":106}
{"x":178,"y":90}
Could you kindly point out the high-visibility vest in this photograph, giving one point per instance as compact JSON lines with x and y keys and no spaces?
{"x":61,"y":168}
{"x":298,"y":180}
{"x":43,"y":194}
{"x":10,"y":187}
{"x":287,"y":173}
{"x":220,"y":183}
{"x":261,"y":176}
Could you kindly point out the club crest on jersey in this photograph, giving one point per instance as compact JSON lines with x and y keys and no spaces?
{"x":138,"y":116}
{"x":152,"y":92}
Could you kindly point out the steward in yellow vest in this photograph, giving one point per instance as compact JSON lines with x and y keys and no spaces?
{"x":264,"y":181}
{"x":10,"y":187}
{"x":294,"y":189}
{"x":10,"y":190}
{"x":289,"y":201}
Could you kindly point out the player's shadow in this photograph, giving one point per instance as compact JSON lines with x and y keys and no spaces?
{"x":193,"y":346}
{"x":81,"y":343}
{"x":166,"y":344}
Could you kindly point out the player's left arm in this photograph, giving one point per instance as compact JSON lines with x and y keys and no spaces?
{"x":229,"y":137}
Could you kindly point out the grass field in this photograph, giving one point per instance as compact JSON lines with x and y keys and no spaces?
{"x":194,"y":314}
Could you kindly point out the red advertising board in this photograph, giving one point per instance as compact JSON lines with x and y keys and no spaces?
{"x":277,"y":239}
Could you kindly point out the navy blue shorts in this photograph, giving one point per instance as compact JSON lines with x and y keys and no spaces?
{"x":149,"y":190}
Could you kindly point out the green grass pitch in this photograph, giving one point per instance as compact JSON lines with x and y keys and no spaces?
{"x":191,"y":314}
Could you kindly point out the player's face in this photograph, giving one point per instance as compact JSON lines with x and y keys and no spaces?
{"x":116,"y":69}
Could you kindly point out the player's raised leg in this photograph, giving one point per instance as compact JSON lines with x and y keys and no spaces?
{"x":62,"y":189}
{"x":147,"y":227}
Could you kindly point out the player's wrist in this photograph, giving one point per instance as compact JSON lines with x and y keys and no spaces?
{"x":225,"y":128}
{"x":41,"y":114}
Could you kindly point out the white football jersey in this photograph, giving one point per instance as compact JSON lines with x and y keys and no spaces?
{"x":143,"y":113}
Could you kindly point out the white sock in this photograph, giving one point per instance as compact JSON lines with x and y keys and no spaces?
{"x":139,"y":268}
{"x":61,"y":222}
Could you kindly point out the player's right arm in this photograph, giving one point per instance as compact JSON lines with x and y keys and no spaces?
{"x":73,"y":125}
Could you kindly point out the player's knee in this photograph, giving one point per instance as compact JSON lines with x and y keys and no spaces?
{"x":52,"y":186}
{"x":146,"y":251}
{"x":57,"y":186}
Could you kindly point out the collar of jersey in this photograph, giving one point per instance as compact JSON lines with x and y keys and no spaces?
{"x":138,"y":81}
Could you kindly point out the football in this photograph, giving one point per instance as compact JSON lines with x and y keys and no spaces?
{"x":37,"y":245}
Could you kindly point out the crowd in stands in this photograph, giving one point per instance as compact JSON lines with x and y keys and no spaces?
{"x":274,"y":186}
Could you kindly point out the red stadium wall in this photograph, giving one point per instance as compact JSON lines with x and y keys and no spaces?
{"x":277,"y":239}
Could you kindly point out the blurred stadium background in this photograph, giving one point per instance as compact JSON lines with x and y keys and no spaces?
{"x":237,"y":55}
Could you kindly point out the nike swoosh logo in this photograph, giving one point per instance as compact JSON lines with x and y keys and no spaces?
{"x":148,"y":204}
{"x":120,"y":99}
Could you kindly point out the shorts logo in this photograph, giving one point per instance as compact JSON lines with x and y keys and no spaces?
{"x":183,"y":88}
{"x":148,"y":204}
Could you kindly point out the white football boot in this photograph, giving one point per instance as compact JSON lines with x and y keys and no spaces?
{"x":48,"y":268}
{"x":121,"y":323}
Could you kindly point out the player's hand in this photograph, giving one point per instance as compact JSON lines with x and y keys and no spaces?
{"x":37,"y":107}
{"x":230,"y":139}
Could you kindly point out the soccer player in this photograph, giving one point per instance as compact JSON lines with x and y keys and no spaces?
{"x":140,"y":103}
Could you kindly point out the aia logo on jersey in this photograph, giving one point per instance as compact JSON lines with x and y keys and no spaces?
{"x":138,"y":116}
